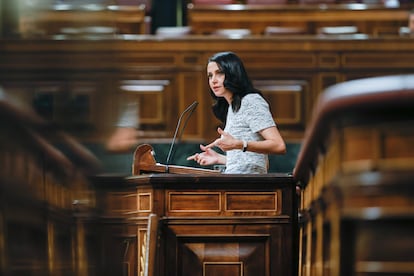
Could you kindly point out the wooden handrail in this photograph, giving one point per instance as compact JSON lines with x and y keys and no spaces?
{"x":342,"y":103}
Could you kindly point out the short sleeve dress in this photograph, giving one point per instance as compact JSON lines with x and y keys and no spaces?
{"x":253,"y":116}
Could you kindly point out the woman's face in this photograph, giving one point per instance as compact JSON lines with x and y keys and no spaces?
{"x":216,"y":81}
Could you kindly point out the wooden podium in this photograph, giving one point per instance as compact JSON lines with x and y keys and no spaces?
{"x":209,"y":223}
{"x":144,"y":162}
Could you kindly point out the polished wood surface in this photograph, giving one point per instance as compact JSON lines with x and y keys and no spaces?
{"x":369,"y":19}
{"x":291,"y":71}
{"x":355,"y":169}
{"x":209,"y":224}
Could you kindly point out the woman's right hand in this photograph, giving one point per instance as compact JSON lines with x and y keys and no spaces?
{"x":207,"y":157}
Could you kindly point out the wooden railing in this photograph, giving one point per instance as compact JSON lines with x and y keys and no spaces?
{"x":356,"y":170}
{"x":45,"y":197}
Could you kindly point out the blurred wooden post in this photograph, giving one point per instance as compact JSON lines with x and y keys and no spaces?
{"x":151,"y":245}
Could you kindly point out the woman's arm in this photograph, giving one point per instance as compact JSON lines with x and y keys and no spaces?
{"x":273,"y":142}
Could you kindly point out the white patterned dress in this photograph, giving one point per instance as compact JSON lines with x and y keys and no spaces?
{"x":253,"y":116}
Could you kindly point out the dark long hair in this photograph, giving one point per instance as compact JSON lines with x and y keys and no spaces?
{"x":236,"y":81}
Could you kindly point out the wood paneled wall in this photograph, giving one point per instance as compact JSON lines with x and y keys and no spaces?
{"x":87,"y":77}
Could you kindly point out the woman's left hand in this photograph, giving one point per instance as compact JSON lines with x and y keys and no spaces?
{"x":226,"y":142}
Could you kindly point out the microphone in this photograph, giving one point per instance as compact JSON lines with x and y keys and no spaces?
{"x":190,"y":109}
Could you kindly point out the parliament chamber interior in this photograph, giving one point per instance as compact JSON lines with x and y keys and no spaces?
{"x":339,"y":78}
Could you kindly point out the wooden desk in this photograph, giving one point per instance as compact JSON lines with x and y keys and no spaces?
{"x":370,"y":19}
{"x":209,"y":225}
{"x":81,"y":19}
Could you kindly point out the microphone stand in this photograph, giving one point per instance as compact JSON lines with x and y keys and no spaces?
{"x":190,"y":109}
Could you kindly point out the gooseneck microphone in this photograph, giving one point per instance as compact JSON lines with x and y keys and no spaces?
{"x":190,"y":109}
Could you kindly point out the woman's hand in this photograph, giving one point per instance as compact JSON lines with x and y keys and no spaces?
{"x":207,"y":157}
{"x":226,"y":142}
